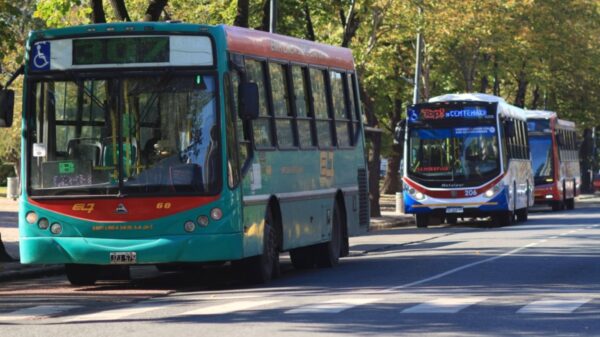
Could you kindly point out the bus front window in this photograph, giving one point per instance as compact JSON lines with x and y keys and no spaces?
{"x":466,"y":155}
{"x":541,"y":158}
{"x":123,"y":135}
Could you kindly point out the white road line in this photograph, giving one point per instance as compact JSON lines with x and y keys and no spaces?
{"x":554,"y":306}
{"x":38,"y":312}
{"x":553,"y":237}
{"x":449,"y":305}
{"x":108,"y":315}
{"x":227,"y":308}
{"x":333,"y":306}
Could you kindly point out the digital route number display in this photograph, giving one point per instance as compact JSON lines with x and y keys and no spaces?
{"x":153,"y":49}
{"x":441,"y":113}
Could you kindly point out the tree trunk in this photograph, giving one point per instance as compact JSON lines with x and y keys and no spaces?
{"x":521,"y":87}
{"x":351,"y":24}
{"x":310,"y":30}
{"x":535,"y":100}
{"x":120,"y":10}
{"x":496,"y":90}
{"x":241,"y":19}
{"x":264,"y":26}
{"x":391,"y":183}
{"x":155,"y":8}
{"x":97,"y":15}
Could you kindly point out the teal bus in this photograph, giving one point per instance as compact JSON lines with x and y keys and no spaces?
{"x":173,"y":143}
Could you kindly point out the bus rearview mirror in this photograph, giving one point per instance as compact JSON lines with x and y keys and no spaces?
{"x":399,"y":132}
{"x":7,"y":104}
{"x":248,"y":104}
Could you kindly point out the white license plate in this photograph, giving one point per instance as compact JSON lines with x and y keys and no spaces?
{"x":123,"y":257}
{"x":454,"y":210}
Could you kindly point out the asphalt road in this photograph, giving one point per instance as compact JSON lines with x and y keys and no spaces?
{"x":539,"y":278}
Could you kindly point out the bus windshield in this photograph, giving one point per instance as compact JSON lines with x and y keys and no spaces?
{"x":126,"y":135}
{"x":541,"y":158}
{"x":462,"y":155}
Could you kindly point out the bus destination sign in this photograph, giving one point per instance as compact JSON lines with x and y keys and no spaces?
{"x":154,"y":49}
{"x":447,"y":113}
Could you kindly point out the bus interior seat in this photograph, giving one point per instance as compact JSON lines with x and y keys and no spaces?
{"x":85,"y":149}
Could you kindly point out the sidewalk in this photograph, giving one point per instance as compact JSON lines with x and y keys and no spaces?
{"x":9,"y":234}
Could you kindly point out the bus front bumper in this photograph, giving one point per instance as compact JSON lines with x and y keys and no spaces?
{"x":204,"y":248}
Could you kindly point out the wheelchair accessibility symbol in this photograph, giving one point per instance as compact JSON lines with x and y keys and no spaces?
{"x":41,"y":56}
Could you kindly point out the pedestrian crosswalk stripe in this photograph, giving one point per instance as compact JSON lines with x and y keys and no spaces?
{"x":38,"y":312}
{"x":113,"y":314}
{"x":227,"y":308}
{"x":448,"y":305}
{"x":553,"y":306}
{"x":333,"y":306}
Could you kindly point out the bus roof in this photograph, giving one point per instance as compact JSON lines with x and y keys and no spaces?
{"x":503,"y":107}
{"x":543,"y":114}
{"x":264,"y":44}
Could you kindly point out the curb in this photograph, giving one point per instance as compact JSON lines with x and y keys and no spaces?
{"x":387,"y":224}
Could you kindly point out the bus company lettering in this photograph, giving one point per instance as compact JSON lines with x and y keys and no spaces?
{"x":89,"y":207}
{"x":433,"y":169}
{"x":470,"y":112}
{"x":122,"y":228}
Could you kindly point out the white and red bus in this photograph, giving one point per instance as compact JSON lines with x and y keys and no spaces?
{"x":466,"y":156}
{"x":554,"y":159}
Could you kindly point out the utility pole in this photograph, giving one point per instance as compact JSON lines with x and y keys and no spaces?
{"x":272,"y":16}
{"x":418,"y":60}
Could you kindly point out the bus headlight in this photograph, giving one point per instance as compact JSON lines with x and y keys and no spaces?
{"x":43,"y":224}
{"x":31,"y":217}
{"x":492,"y":191}
{"x":203,"y":220}
{"x":189,"y":226}
{"x":216,"y":213}
{"x":419,"y":196}
{"x":56,"y":228}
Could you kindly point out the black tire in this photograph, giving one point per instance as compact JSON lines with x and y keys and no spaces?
{"x":264,"y":267}
{"x":504,"y":219}
{"x":422,"y":220}
{"x":82,"y":274}
{"x":570,"y":203}
{"x":557,"y":205}
{"x":451,"y":219}
{"x":522,"y":215}
{"x":329,"y":252}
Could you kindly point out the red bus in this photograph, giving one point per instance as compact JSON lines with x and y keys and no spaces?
{"x":554,"y":159}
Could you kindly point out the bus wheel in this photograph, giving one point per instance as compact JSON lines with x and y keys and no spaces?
{"x":570,"y":203}
{"x":557,"y":205}
{"x":82,"y":274}
{"x":522,"y":214}
{"x":264,"y":267}
{"x":451,"y":219}
{"x":329,"y":252}
{"x":504,"y":219}
{"x":422,"y":220}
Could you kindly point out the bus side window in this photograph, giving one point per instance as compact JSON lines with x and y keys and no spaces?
{"x":353,"y":106}
{"x":281,"y":105}
{"x":304,"y":120}
{"x":261,"y":127}
{"x":242,"y":135}
{"x":233,"y":165}
{"x":342,"y":121}
{"x":321,"y":110}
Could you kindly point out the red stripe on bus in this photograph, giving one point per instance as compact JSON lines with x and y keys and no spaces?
{"x":448,"y":194}
{"x":259,"y":43}
{"x":123,"y":209}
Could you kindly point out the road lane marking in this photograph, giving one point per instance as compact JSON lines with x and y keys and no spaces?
{"x":449,"y":305}
{"x":227,"y":308}
{"x":38,"y":312}
{"x":461,"y":268}
{"x":114,"y":314}
{"x":333,"y":306}
{"x":554,"y":306}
